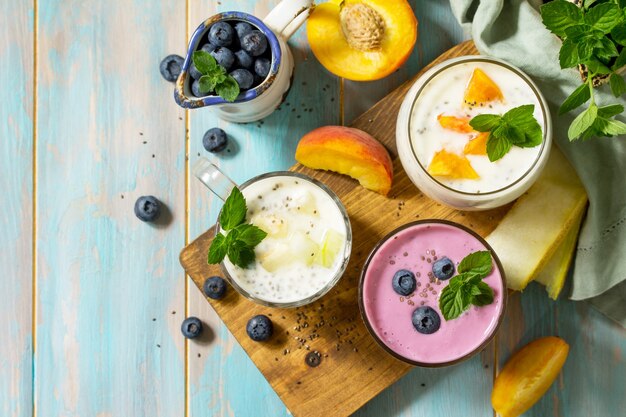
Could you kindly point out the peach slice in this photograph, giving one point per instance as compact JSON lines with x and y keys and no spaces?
{"x":362,"y":40}
{"x":348,"y":151}
{"x":478,"y":145}
{"x":458,"y":124}
{"x":446,"y":164}
{"x":528,"y":375}
{"x":481,"y":89}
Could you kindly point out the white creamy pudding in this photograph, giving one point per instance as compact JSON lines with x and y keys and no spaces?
{"x":455,"y":163}
{"x":444,"y":95}
{"x":308,"y":241}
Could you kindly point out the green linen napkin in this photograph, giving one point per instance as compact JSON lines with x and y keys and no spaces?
{"x":512,"y":30}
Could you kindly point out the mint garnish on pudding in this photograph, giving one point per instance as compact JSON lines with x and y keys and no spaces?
{"x":467,"y":288}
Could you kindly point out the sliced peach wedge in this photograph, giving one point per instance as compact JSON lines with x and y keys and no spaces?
{"x":528,"y":375}
{"x":362,"y":40}
{"x":481,"y":89}
{"x":478,"y":145}
{"x":457,"y":124}
{"x":348,"y":151}
{"x":447,"y":164}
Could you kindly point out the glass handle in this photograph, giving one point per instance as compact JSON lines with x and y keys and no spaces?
{"x":214,"y":179}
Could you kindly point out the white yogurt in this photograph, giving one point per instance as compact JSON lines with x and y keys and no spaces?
{"x":443,"y":94}
{"x":306,"y":247}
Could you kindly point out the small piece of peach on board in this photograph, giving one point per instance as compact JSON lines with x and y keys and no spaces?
{"x":528,"y":375}
{"x":446,"y":164}
{"x":458,"y":124}
{"x":478,"y":145}
{"x":481,"y":89}
{"x":348,"y":151}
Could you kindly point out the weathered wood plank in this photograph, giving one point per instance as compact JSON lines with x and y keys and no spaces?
{"x":16,"y":183}
{"x":224,"y":381}
{"x":108,"y":341}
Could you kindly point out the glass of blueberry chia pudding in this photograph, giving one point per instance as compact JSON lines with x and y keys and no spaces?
{"x":252,"y":51}
{"x":432,"y":293}
{"x":308,"y":240}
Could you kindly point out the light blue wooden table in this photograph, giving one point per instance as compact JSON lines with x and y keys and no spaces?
{"x":92,"y":299}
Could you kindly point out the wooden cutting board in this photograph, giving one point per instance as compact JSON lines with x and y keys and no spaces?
{"x":353,"y":368}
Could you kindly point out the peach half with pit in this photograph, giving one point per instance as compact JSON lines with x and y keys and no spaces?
{"x":362,"y":40}
{"x":348,"y":151}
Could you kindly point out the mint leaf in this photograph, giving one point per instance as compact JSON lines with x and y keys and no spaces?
{"x":228,"y":89}
{"x":558,"y":15}
{"x":497,"y":147}
{"x":485,"y":122}
{"x":607,"y":50}
{"x":476,"y":263}
{"x":451,"y":304}
{"x":603,"y":17}
{"x":618,"y":85}
{"x":234,"y":210}
{"x":218,"y":249}
{"x":240,"y":254}
{"x":618,"y":34}
{"x":481,"y":294}
{"x":620,"y":61}
{"x":249,"y":234}
{"x":207,"y":84}
{"x":523,"y":119}
{"x":204,"y":62}
{"x":578,"y":97}
{"x":582,"y":122}
{"x":610,"y":110}
{"x":613,"y":127}
{"x":568,"y":54}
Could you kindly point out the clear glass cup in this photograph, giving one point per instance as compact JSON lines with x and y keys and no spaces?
{"x":480,"y":341}
{"x":221,"y":185}
{"x":434,"y":188}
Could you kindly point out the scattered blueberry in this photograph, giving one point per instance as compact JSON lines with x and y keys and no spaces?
{"x":259,"y":328}
{"x":171,"y":66}
{"x":195,"y":89}
{"x":443,"y":268}
{"x":221,"y":34}
{"x":193,"y":71}
{"x":147,"y":208}
{"x":215,"y":140}
{"x":214,"y":287}
{"x":243,"y":77}
{"x":403,"y":282}
{"x":242,"y":29}
{"x":254,"y":43}
{"x":243,"y":60}
{"x":208,"y":47}
{"x":262,"y":67}
{"x":425,"y":320}
{"x":224,"y":57}
{"x":191,"y":327}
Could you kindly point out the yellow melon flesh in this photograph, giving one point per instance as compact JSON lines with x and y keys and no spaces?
{"x":446,"y":164}
{"x":554,"y":273}
{"x":538,"y":222}
{"x":527,"y":376}
{"x":481,"y":89}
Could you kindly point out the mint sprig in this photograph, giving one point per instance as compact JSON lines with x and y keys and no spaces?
{"x":214,"y":77}
{"x":239,"y":243}
{"x":593,"y":35}
{"x":467,"y":288}
{"x":516,"y":127}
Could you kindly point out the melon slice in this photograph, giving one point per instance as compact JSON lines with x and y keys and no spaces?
{"x":478,"y":145}
{"x":446,"y":164}
{"x":554,"y":273}
{"x":481,"y":89}
{"x":538,"y":222}
{"x":332,"y":243}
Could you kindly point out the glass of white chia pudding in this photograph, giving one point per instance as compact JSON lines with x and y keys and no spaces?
{"x":441,"y":152}
{"x":309,"y":237}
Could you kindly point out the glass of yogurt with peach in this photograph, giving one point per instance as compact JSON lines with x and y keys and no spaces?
{"x":442,"y":153}
{"x":403,"y":292}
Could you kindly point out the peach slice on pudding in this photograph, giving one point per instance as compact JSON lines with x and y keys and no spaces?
{"x":481,"y":89}
{"x":446,"y":164}
{"x":478,"y":145}
{"x":458,"y":124}
{"x":348,"y":151}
